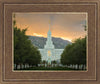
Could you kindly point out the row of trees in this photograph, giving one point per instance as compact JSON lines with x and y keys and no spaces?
{"x":75,"y":53}
{"x":44,"y":62}
{"x":24,"y":51}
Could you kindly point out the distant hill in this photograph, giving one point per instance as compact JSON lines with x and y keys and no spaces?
{"x":41,"y":41}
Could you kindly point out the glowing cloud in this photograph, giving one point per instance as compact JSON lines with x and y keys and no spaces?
{"x":35,"y":34}
{"x":66,"y":39}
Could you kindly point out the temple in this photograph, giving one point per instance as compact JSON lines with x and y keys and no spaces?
{"x":49,"y":53}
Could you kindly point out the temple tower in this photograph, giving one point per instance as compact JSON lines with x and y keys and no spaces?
{"x":49,"y":43}
{"x":49,"y":47}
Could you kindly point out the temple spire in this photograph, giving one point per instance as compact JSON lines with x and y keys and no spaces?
{"x":49,"y":31}
{"x":49,"y":43}
{"x":50,"y":25}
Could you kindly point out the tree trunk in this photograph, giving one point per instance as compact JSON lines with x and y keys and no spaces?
{"x":82,"y":67}
{"x":16,"y":66}
{"x":28,"y":65}
{"x":20,"y":66}
{"x":36,"y":65}
{"x":24,"y":66}
{"x":78,"y":66}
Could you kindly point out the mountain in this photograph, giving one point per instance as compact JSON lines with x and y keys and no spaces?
{"x":41,"y":41}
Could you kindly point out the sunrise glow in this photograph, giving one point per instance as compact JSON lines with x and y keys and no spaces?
{"x":35,"y":34}
{"x":65,"y":26}
{"x":66,"y":39}
{"x":39,"y":35}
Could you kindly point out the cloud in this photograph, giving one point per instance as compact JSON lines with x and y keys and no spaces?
{"x":62,"y":25}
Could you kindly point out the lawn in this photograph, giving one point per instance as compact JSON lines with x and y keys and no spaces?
{"x":48,"y":68}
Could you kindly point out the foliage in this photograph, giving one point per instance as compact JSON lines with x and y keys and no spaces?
{"x":75,"y":53}
{"x":24,"y":51}
{"x":54,"y":62}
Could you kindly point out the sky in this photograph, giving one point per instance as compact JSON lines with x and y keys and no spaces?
{"x":65,"y":25}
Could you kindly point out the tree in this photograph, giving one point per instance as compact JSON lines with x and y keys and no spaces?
{"x":75,"y":53}
{"x":54,"y":62}
{"x":24,"y":51}
{"x":44,"y":62}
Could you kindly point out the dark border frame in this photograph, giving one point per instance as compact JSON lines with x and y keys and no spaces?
{"x":94,"y":80}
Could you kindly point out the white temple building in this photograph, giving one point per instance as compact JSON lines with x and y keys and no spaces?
{"x":49,"y":53}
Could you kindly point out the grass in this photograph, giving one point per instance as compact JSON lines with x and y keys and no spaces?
{"x":48,"y":68}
